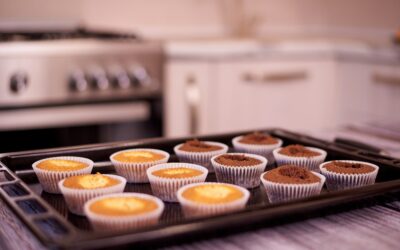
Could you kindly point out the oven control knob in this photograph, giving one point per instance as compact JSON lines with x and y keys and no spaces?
{"x":140,"y":77}
{"x":18,"y":82}
{"x":100,"y":80}
{"x":120,"y":79}
{"x":78,"y":82}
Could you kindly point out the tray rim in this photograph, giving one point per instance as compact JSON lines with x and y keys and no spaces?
{"x":197,"y":225}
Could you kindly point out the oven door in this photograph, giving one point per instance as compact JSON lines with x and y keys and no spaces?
{"x":57,"y":126}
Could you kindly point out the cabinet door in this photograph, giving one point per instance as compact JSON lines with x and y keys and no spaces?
{"x":296,"y":95}
{"x":185,"y":97}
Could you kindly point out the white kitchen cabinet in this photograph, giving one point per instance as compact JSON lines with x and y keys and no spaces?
{"x":249,"y":94}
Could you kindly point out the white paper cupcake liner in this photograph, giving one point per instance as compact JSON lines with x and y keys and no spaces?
{"x":135,"y":172}
{"x":200,"y":158}
{"x":117,"y":223}
{"x":311,"y":163}
{"x":166,"y":188}
{"x":263,"y":150}
{"x":281,"y":192}
{"x":49,"y":179}
{"x":245,"y":176}
{"x":195,"y":209}
{"x":339,"y":181}
{"x":76,"y":198}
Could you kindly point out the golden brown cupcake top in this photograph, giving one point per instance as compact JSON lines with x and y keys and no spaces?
{"x":123,"y":206}
{"x":258,"y":138}
{"x":138,"y":156}
{"x":298,"y":151}
{"x":90,"y":181}
{"x":348,"y":167}
{"x":198,"y":146}
{"x":237,"y":160}
{"x":290,"y":174}
{"x":217,"y":193}
{"x":61,"y":165}
{"x":180,"y":172}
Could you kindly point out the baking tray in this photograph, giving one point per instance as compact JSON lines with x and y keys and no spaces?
{"x":47,"y":216}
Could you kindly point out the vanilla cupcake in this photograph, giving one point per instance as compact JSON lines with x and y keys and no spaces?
{"x":133,"y":163}
{"x":50,"y":171}
{"x":308,"y":157}
{"x":81,"y":188}
{"x":115,"y":212}
{"x":166,"y":179}
{"x":257,"y":143}
{"x":291,"y":182}
{"x":200,"y":152}
{"x":239,"y":169}
{"x":211,"y":198}
{"x":347,"y":174}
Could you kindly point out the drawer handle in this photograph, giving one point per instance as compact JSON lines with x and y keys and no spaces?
{"x":284,"y":76}
{"x":386,"y":79}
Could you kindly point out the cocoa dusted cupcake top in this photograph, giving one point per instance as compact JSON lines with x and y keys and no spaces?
{"x":198,"y":146}
{"x":237,"y":160}
{"x":291,"y":174}
{"x":258,"y":138}
{"x":297,"y":150}
{"x":348,"y":167}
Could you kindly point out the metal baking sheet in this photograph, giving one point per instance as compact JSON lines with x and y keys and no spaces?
{"x":48,"y":217}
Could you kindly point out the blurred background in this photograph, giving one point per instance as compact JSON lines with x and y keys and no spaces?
{"x":76,"y":72}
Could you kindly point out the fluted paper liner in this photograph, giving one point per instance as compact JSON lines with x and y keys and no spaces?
{"x":135,"y":172}
{"x":200,"y":158}
{"x":281,"y":192}
{"x":311,"y":163}
{"x":263,"y":150}
{"x":49,"y":179}
{"x":244,"y":176}
{"x":195,"y":209}
{"x":117,"y":223}
{"x":76,"y":198}
{"x":166,"y":188}
{"x":339,"y":181}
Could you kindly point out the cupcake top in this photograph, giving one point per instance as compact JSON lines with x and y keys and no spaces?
{"x":343,"y":167}
{"x":216,"y":193}
{"x":258,"y":138}
{"x":61,"y":165}
{"x":198,"y":146}
{"x":291,"y":174}
{"x":90,"y":181}
{"x":179,"y":172}
{"x":237,"y":160}
{"x":298,"y":151}
{"x":123,"y":206}
{"x":138,"y":156}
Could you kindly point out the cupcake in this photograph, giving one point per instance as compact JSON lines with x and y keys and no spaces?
{"x":166,"y":179}
{"x":50,"y":171}
{"x":211,"y":198}
{"x":290,"y":182}
{"x":200,"y":152}
{"x":133,"y":163}
{"x":257,"y":143}
{"x":114,"y":212}
{"x":299,"y":155}
{"x":348,"y":174}
{"x":81,"y":188}
{"x":239,"y":169}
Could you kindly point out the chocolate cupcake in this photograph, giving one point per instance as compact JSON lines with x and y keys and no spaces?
{"x":257,"y":143}
{"x":346,"y":174}
{"x":290,"y":182}
{"x":308,"y":157}
{"x":199,"y":152}
{"x":239,"y":169}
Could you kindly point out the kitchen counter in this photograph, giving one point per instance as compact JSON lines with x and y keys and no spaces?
{"x":253,"y":48}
